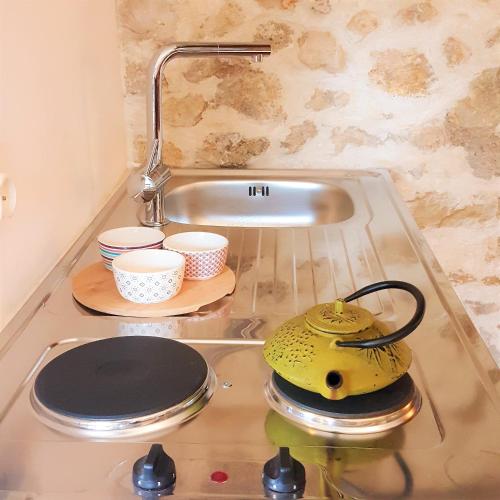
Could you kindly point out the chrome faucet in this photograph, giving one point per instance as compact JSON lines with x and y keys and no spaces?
{"x":148,"y":186}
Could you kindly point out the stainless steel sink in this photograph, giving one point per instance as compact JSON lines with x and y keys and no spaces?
{"x":258,"y":202}
{"x":291,"y":235}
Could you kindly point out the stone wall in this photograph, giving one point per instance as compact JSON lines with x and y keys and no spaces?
{"x":413,"y":87}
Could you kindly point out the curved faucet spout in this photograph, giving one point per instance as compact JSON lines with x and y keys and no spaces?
{"x":181,"y":49}
{"x":154,"y":167}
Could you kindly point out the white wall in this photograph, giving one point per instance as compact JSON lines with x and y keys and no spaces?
{"x":62,"y":136}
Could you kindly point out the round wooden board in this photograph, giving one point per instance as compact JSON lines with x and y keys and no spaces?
{"x":94,"y":287}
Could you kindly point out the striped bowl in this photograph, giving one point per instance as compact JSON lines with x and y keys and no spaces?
{"x":115,"y":242}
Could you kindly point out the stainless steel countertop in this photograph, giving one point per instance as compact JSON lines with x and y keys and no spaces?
{"x":451,"y":449}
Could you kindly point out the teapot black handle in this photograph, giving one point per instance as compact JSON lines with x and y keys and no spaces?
{"x":399,"y":334}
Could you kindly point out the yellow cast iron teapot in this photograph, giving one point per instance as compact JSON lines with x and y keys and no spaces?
{"x":338,"y":349}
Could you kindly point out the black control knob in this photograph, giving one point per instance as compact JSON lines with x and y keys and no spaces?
{"x":154,"y":471}
{"x":284,"y":474}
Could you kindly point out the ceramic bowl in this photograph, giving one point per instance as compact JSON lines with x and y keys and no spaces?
{"x":205,"y":253}
{"x":115,"y":242}
{"x":148,"y":276}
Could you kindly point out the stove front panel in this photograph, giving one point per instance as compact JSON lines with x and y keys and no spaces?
{"x":236,"y":433}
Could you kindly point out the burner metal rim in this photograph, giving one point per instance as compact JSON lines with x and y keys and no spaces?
{"x":342,"y":425}
{"x":132,"y":426}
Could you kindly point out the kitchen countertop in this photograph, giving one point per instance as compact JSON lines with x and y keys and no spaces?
{"x":280,"y":272}
{"x":477,"y":297}
{"x":480,"y":296}
{"x":466,"y":243}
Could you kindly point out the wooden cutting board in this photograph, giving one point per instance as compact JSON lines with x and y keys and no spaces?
{"x":94,"y":287}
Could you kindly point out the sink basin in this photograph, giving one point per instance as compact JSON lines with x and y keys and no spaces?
{"x":258,"y":203}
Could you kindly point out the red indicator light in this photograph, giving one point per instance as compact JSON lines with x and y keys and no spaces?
{"x":219,"y":476}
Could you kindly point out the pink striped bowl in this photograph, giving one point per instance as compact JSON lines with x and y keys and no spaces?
{"x":115,"y":242}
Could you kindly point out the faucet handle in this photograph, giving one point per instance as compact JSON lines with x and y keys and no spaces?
{"x":136,"y":185}
{"x":142,"y":187}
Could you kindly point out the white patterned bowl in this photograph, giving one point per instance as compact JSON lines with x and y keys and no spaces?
{"x":148,"y":276}
{"x":205,"y":253}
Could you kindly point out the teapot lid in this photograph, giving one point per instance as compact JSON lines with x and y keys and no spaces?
{"x":338,"y":317}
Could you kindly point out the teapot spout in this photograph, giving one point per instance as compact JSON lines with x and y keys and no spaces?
{"x":335,"y":387}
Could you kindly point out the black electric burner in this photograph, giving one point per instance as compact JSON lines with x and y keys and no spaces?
{"x":120,"y":378}
{"x":377,"y":411}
